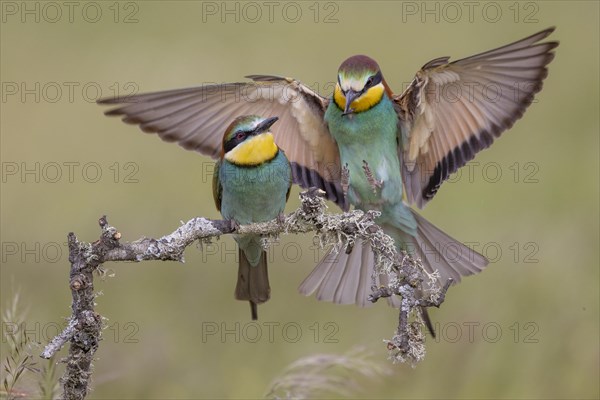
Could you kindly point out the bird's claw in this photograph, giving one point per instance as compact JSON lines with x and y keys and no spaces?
{"x":234,"y":225}
{"x":280,"y":218}
{"x":375,"y":183}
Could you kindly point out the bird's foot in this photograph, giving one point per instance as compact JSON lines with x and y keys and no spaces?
{"x":345,"y":180}
{"x":375,"y":184}
{"x":234,"y":225}
{"x":280,"y":218}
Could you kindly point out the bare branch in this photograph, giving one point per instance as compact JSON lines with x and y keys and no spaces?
{"x":85,"y":325}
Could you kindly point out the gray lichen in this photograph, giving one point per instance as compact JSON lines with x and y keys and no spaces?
{"x":343,"y":231}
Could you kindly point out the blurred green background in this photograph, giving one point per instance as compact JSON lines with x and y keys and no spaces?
{"x":527,"y":327}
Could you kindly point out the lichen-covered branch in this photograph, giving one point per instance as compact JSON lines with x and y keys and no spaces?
{"x":59,"y":341}
{"x":408,"y":342}
{"x":85,"y":325}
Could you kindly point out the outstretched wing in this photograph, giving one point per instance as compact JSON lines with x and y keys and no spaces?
{"x":197,"y":117}
{"x":217,"y":189}
{"x":453,"y":110}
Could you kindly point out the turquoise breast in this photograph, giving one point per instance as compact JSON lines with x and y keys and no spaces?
{"x":254,"y":194}
{"x":369,"y":136}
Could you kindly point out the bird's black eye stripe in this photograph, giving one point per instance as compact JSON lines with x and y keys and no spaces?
{"x":340,"y":85}
{"x":238,"y":138}
{"x":374,"y":80}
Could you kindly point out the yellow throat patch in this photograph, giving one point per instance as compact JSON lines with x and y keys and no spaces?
{"x":253,"y":151}
{"x":364,"y":102}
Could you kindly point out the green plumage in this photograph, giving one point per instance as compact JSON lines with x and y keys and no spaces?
{"x":253,"y":194}
{"x":370,"y":137}
{"x":248,"y":194}
{"x":368,"y":145}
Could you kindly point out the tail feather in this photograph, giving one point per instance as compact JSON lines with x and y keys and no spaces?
{"x":331,"y":282}
{"x":344,"y":278}
{"x":347,"y":278}
{"x":367,"y":267}
{"x":449,"y":257}
{"x":253,"y":282}
{"x":427,"y":321}
{"x":439,"y":251}
{"x":350,"y":283}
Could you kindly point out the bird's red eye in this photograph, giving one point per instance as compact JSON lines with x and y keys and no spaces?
{"x":239,"y":135}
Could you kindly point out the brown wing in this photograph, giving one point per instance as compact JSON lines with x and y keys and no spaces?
{"x":216,"y":186}
{"x":197,"y":117}
{"x":451,"y":111}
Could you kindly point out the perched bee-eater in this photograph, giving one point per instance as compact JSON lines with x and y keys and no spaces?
{"x":385,"y":151}
{"x":251,"y":183}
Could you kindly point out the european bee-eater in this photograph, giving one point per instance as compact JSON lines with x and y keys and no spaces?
{"x":397,"y":149}
{"x":251,"y":183}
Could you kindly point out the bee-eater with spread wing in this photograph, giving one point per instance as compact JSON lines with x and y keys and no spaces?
{"x":251,"y":183}
{"x":398,"y":149}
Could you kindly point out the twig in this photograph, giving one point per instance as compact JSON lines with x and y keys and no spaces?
{"x":58,"y":342}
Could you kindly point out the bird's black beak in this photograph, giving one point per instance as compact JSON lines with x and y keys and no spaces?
{"x":351,"y":95}
{"x":265,"y":125}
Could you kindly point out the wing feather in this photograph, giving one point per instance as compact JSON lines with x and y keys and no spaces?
{"x":196,"y":118}
{"x":216,"y":186}
{"x":453,"y":110}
